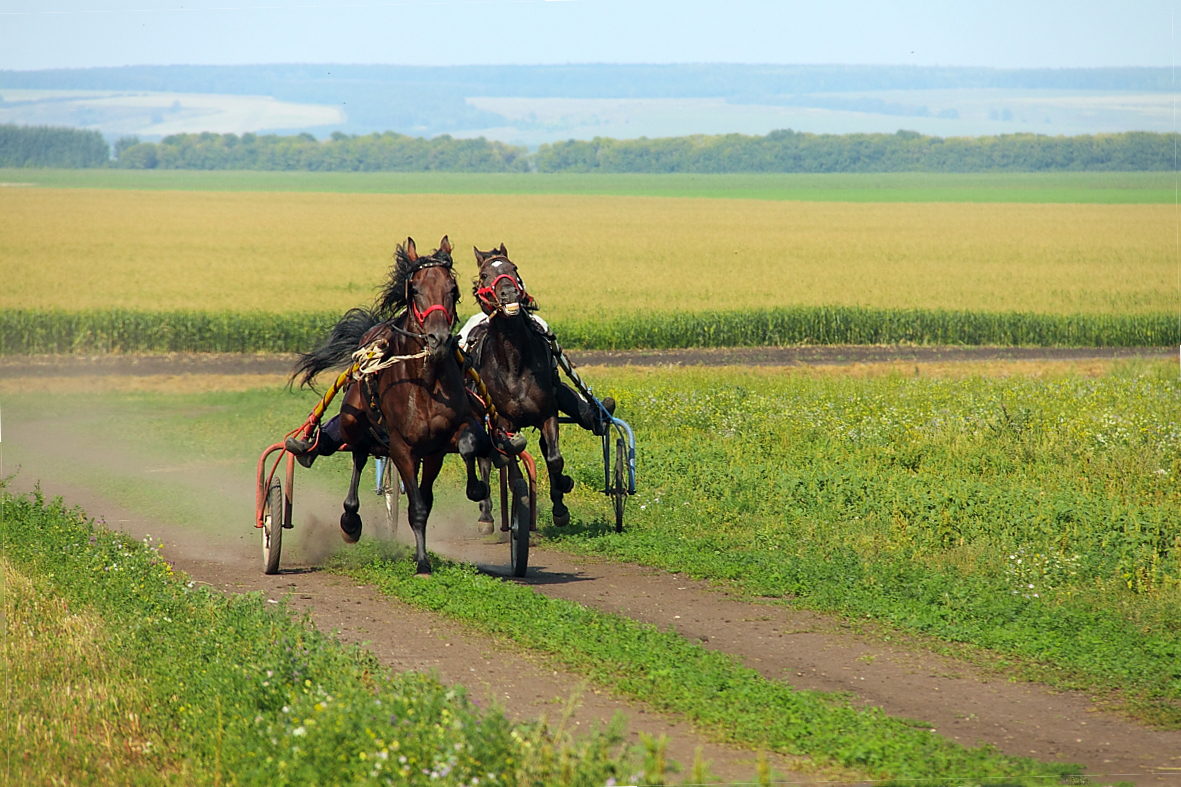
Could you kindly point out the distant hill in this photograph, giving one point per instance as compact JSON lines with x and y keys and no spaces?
{"x":327,"y":83}
{"x":436,"y":100}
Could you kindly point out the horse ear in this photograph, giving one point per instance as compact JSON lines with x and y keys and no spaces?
{"x":411,"y":251}
{"x":480,"y":256}
{"x":445,"y":245}
{"x":503,"y":250}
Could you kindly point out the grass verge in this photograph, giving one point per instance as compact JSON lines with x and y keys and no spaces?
{"x":129,"y":673}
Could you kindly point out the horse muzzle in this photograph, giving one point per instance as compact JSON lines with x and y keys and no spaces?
{"x":436,"y":344}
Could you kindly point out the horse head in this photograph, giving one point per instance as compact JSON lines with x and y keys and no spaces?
{"x":429,"y":294}
{"x":498,"y":286}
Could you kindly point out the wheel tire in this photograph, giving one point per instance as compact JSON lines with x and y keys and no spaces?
{"x":390,"y":492}
{"x":619,"y":491}
{"x":522,"y":517}
{"x":272,"y":528}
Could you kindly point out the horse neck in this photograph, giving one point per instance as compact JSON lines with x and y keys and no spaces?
{"x":514,"y":343}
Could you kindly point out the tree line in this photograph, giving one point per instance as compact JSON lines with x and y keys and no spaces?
{"x":904,"y":151}
{"x":779,"y":151}
{"x":46,"y":146}
{"x":388,"y":152}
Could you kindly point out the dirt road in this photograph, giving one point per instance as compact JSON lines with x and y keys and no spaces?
{"x":264,"y":364}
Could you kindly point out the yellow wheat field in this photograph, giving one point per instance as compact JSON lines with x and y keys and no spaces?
{"x":582,"y":255}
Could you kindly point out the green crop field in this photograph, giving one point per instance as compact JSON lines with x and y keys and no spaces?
{"x":1092,"y":187}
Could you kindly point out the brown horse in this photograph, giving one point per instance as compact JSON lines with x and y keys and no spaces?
{"x":513,"y":356}
{"x":415,"y":409}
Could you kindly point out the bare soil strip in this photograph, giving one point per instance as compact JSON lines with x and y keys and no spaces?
{"x":33,"y":366}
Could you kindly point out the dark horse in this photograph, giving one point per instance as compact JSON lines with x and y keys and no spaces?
{"x":513,"y":355}
{"x":415,"y":409}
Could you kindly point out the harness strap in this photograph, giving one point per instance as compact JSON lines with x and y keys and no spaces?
{"x":317,"y":413}
{"x":568,"y":368}
{"x":481,"y":389}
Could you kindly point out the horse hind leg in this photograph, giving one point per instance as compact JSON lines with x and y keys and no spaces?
{"x":560,"y":483}
{"x":350,"y":520}
{"x":485,"y":525}
{"x":472,"y":443}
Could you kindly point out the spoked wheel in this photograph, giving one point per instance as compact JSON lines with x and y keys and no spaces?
{"x":522,"y":518}
{"x":272,"y":528}
{"x":390,"y":492}
{"x":619,"y":487}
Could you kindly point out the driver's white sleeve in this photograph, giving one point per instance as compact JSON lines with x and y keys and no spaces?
{"x":479,"y":318}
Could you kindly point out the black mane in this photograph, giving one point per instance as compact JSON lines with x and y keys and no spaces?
{"x":391,"y":298}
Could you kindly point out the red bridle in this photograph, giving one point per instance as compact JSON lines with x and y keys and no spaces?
{"x":421,"y":316}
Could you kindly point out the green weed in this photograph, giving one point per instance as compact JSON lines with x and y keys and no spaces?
{"x":1030,"y":517}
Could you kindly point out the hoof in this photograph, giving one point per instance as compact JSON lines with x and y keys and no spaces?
{"x":350,"y":527}
{"x":561,"y":515}
{"x":485,"y":527}
{"x":477,"y":491}
{"x":424,"y":570}
{"x":565,"y":483}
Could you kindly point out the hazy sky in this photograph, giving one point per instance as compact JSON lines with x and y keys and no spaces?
{"x":1004,"y":33}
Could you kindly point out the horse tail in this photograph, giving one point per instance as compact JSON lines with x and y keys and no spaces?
{"x":338,"y":348}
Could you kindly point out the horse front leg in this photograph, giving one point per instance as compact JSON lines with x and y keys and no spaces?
{"x":559,"y":482}
{"x":425,"y":495}
{"x":350,"y":520}
{"x":418,"y":507}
